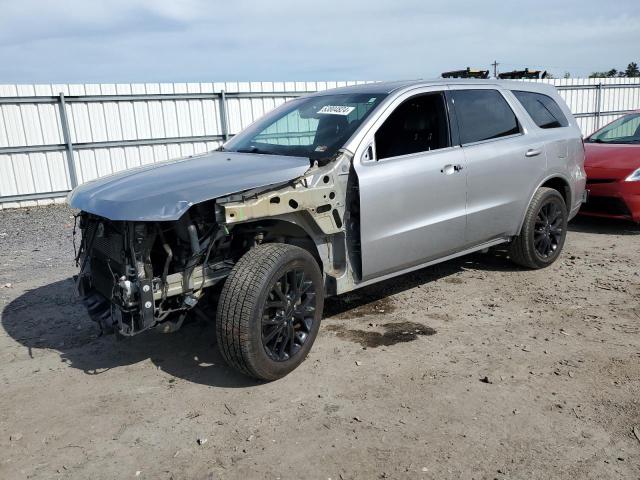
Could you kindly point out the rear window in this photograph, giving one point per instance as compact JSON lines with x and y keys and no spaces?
{"x":483,"y":115}
{"x":544,"y":111}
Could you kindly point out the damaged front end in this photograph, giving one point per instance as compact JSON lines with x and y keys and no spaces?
{"x":135,"y":275}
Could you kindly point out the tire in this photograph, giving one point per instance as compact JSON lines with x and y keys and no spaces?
{"x":543,"y":231}
{"x":289,"y":279}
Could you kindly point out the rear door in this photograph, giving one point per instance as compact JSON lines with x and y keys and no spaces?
{"x":551,"y":126}
{"x":412,"y":186}
{"x":503,"y":161}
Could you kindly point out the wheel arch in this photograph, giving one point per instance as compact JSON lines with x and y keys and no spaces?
{"x":562,"y":186}
{"x":282,"y":230}
{"x":300,"y":229}
{"x":557,"y":182}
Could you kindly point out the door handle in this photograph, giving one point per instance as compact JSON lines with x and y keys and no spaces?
{"x":449,"y":169}
{"x":533,"y":152}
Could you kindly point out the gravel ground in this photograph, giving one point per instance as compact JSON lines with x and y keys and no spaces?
{"x":470,"y":369}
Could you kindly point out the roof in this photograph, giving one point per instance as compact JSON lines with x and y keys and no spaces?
{"x":374,"y":87}
{"x":393,"y":86}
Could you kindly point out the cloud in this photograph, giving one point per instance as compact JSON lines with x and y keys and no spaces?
{"x":198,"y":40}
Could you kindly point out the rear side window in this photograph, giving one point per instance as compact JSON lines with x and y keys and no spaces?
{"x":542,"y":109}
{"x":483,"y":115}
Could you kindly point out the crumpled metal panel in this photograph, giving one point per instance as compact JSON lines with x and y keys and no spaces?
{"x":165,"y":191}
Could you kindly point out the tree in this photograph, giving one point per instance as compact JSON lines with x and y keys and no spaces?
{"x":611,"y":73}
{"x":567,"y":75}
{"x":632,"y":70}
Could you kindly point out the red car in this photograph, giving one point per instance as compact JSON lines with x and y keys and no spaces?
{"x":613,"y":170}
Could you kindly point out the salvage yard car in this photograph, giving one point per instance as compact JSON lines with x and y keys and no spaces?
{"x":613,"y":170}
{"x":326,"y":194}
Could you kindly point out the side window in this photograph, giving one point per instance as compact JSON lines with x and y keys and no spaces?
{"x":542,"y":108}
{"x":483,"y":115}
{"x":417,"y":125}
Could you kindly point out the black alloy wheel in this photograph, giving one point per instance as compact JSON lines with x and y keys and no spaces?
{"x":269,"y":310}
{"x":548,"y":232}
{"x":543,"y":230}
{"x":288,"y":315}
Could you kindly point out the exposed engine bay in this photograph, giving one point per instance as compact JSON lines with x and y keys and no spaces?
{"x":135,"y":275}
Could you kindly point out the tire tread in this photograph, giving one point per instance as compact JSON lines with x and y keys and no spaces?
{"x":521,"y":250}
{"x":238,"y":300}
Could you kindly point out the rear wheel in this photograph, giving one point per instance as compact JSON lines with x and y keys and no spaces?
{"x":543,"y":232}
{"x":270,"y":310}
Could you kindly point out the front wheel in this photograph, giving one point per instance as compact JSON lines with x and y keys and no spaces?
{"x":269,"y":310}
{"x":543,"y":232}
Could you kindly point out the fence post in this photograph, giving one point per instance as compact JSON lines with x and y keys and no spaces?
{"x":224,"y":121}
{"x":73,"y":176}
{"x":598,"y":104}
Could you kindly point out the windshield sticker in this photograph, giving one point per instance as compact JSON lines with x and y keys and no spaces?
{"x":321,"y":148}
{"x":336,"y":110}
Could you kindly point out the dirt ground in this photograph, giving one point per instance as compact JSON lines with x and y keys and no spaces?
{"x":472,"y":369}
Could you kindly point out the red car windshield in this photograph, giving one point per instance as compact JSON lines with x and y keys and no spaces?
{"x":626,"y":129}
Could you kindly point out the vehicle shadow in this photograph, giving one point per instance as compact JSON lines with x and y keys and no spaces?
{"x":603,"y":226}
{"x":345,"y":306}
{"x":52,"y":317}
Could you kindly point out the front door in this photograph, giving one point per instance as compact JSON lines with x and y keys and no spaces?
{"x":412,"y":187}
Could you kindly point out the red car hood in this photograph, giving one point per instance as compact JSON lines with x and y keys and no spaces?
{"x":611,"y":161}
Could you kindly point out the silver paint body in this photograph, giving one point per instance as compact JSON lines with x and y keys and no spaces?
{"x":415,"y":210}
{"x":413,"y":214}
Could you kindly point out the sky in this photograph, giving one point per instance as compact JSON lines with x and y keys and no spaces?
{"x":92,"y":41}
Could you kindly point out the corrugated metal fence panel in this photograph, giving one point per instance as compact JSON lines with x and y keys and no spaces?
{"x":30,"y":124}
{"x":122,"y":120}
{"x":162,"y":128}
{"x":129,"y":120}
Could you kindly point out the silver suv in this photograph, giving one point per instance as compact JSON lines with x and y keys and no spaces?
{"x":323,"y":195}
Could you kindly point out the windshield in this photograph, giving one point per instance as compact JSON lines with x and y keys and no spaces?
{"x":314,"y":127}
{"x":624,"y":130}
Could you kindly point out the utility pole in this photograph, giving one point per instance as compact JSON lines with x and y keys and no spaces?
{"x":495,"y":68}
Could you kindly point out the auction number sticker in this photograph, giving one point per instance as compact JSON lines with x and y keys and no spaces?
{"x":336,"y":110}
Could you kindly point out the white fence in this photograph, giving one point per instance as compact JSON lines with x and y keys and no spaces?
{"x":53,"y":137}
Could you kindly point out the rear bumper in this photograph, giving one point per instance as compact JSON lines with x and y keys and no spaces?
{"x":613,"y":200}
{"x":576,"y":208}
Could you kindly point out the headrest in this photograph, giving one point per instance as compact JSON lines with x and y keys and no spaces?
{"x":331,"y":128}
{"x":336,"y":123}
{"x":416,"y":122}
